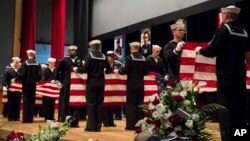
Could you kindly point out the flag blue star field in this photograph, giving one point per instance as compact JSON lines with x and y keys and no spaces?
{"x":160,"y":82}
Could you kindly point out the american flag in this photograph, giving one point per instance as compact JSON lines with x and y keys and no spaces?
{"x":42,"y":89}
{"x":115,"y":89}
{"x":195,"y":67}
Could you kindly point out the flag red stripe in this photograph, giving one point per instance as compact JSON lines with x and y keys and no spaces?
{"x":187,"y":61}
{"x":205,"y":67}
{"x":186,"y":76}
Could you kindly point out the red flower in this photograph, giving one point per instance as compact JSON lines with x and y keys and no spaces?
{"x":180,"y":133}
{"x":156,"y":101}
{"x":177,"y":98}
{"x":172,"y":83}
{"x":174,"y":119}
{"x":138,"y":130}
{"x":157,"y":122}
{"x":13,"y":135}
{"x":150,"y":112}
{"x":148,"y":121}
{"x":20,"y":135}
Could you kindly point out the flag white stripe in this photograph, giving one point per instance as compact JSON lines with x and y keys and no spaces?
{"x":187,"y":69}
{"x":201,"y":59}
{"x":188,"y":53}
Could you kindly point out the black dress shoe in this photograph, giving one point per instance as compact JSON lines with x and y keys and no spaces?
{"x":112,"y":125}
{"x":92,"y":130}
{"x":118,"y":118}
{"x":129,"y":128}
{"x":16,"y":119}
{"x":106,"y":125}
{"x":27,"y":121}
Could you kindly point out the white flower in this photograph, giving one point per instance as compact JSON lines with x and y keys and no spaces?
{"x":196,"y":89}
{"x":160,"y":108}
{"x":195,"y":117}
{"x":155,"y":114}
{"x":168,"y":124}
{"x":167,"y":115}
{"x":54,"y":125}
{"x":189,"y":123}
{"x":165,"y":106}
{"x":151,"y":106}
{"x":202,"y":84}
{"x":175,"y":93}
{"x":183,"y":94}
{"x":140,"y":122}
{"x":186,"y":102}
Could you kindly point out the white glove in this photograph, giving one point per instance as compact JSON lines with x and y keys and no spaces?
{"x":166,"y":77}
{"x":75,"y":69}
{"x":13,"y":80}
{"x":116,"y":70}
{"x":59,"y":85}
{"x":53,"y":81}
{"x":197,"y":49}
{"x":179,"y":46}
{"x":5,"y":89}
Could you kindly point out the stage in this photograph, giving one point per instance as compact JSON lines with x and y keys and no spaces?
{"x":78,"y":134}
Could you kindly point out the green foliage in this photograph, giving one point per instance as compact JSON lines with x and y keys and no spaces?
{"x":52,"y":132}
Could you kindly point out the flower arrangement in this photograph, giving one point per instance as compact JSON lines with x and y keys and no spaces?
{"x":52,"y":132}
{"x":175,"y":114}
{"x":15,"y":136}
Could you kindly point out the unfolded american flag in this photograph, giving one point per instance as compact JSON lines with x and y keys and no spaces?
{"x":195,"y":67}
{"x":42,"y":89}
{"x":115,"y":89}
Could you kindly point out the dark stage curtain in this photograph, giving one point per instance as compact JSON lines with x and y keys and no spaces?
{"x":28,"y":27}
{"x":58,"y":28}
{"x":131,"y":37}
{"x":81,"y":26}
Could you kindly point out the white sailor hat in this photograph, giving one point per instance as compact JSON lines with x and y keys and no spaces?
{"x":156,"y":47}
{"x":16,"y":59}
{"x":51,"y":60}
{"x":72,"y":47}
{"x":94,"y":42}
{"x":230,"y":9}
{"x":178,"y":24}
{"x":30,"y":51}
{"x":44,"y":66}
{"x":110,"y":52}
{"x":134,"y":44}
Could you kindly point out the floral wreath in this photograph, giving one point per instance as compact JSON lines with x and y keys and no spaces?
{"x":175,"y":114}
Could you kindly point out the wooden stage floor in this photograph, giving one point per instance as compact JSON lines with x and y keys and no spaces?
{"x":77,"y":134}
